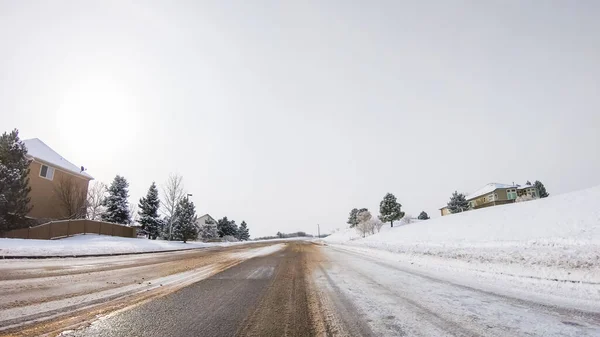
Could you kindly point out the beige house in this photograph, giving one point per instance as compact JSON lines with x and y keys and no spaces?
{"x":58,"y":187}
{"x":494,"y":194}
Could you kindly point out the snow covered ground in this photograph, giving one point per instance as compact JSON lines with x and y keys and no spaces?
{"x":554,"y":239}
{"x":91,"y":244}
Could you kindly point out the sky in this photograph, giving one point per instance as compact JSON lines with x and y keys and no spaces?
{"x":288,"y":114}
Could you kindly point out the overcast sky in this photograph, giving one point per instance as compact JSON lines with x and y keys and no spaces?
{"x":290,"y":113}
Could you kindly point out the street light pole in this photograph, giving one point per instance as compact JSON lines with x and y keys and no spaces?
{"x":319,"y":230}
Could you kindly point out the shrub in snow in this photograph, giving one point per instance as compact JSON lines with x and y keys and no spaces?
{"x":525,"y":197}
{"x":423,"y":216}
{"x":407,"y":219}
{"x":390,"y":209}
{"x":377,"y":224}
{"x":14,"y":182}
{"x":230,"y":238}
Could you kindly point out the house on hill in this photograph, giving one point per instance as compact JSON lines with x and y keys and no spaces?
{"x":495,"y":194}
{"x":58,"y":187}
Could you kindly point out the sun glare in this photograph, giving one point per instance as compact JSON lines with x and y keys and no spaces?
{"x":99,"y":113}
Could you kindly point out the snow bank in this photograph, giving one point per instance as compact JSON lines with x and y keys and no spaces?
{"x":553,"y":238}
{"x":91,"y":244}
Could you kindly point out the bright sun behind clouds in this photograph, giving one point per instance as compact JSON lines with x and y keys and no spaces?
{"x":99,"y":113}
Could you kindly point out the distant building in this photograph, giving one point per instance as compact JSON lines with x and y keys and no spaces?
{"x":202,"y":220}
{"x":494,"y":194}
{"x":48,"y":170}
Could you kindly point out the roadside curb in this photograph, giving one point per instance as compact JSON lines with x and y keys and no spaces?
{"x":39,"y":257}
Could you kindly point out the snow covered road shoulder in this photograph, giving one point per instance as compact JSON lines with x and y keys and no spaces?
{"x":545,"y":249}
{"x":92,"y":244}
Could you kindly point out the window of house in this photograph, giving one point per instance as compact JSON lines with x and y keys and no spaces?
{"x":47,"y":172}
{"x":511,"y":194}
{"x":490,"y":197}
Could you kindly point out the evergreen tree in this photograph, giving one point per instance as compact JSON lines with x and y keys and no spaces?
{"x":243,"y":232}
{"x":117,"y":206}
{"x":209,"y":230}
{"x":390,"y":209}
{"x":149,"y":218}
{"x":234,"y":228}
{"x":184,"y":222}
{"x":528,"y":183}
{"x":541,"y":189}
{"x":423,"y":216}
{"x":458,"y":203}
{"x":226,"y":227}
{"x":352,"y":221}
{"x":14,"y":182}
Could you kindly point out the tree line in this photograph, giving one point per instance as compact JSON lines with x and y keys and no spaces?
{"x":281,"y":235}
{"x":106,"y":203}
{"x":390,"y":210}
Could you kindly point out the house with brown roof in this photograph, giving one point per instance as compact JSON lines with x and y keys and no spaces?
{"x":58,"y":187}
{"x":495,"y":194}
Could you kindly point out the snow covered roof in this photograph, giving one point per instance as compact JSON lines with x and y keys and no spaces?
{"x":39,"y":150}
{"x":489,"y":188}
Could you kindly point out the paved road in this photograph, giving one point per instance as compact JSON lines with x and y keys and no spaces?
{"x":303,"y":289}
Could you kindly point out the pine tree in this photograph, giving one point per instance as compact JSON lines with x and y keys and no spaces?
{"x":423,"y":216}
{"x":184,"y":224}
{"x":226,"y":227}
{"x":117,"y":206}
{"x":243,"y":232}
{"x":209,"y":230}
{"x":14,"y":182}
{"x":149,"y":218}
{"x":541,"y":189}
{"x":528,"y":183}
{"x":352,"y":221}
{"x":234,"y":228}
{"x":390,"y":209}
{"x":458,"y":203}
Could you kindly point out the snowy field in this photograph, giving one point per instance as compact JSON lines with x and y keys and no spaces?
{"x":91,"y":244}
{"x":553,"y":239}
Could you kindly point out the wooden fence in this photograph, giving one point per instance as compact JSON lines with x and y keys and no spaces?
{"x":65,"y":228}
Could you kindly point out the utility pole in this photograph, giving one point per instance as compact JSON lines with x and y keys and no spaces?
{"x":319,"y":229}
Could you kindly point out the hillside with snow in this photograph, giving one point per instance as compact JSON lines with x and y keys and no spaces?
{"x":555,"y":238}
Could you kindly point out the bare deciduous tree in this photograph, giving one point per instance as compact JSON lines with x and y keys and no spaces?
{"x":173,"y":192}
{"x":365,"y":224}
{"x":377,"y":224}
{"x":95,"y":196}
{"x":72,"y":198}
{"x":133,"y":211}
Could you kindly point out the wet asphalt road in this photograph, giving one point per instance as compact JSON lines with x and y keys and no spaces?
{"x":263,"y":296}
{"x":306,"y":289}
